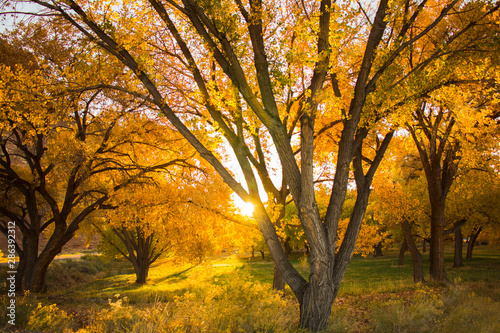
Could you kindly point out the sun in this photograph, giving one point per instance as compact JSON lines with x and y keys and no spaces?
{"x":245,"y":208}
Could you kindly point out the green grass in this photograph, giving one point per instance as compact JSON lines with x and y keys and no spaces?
{"x":376,"y":295}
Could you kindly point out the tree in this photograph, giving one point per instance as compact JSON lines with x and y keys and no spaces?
{"x":442,"y":144}
{"x":472,"y":206}
{"x":62,"y":157}
{"x":310,"y":66}
{"x":191,"y":219}
{"x":397,"y":198}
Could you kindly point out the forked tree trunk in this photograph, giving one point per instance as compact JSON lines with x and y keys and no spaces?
{"x":418,"y":268}
{"x":33,"y":266}
{"x":457,"y":258}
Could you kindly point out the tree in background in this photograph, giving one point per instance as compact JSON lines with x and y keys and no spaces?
{"x":311,"y":65}
{"x":65,"y":153}
{"x":472,"y":207}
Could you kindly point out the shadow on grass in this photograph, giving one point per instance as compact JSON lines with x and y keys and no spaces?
{"x":174,"y":277}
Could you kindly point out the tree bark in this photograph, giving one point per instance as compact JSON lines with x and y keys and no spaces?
{"x":457,"y":258}
{"x":418,"y":268}
{"x":402,"y":250}
{"x":278,"y":281}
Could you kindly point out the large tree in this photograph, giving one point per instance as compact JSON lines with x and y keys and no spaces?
{"x":64,"y":154}
{"x":285,"y":72}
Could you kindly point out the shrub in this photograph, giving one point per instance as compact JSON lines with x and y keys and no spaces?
{"x":34,"y":315}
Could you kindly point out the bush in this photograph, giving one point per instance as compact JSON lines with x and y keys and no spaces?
{"x":34,"y":315}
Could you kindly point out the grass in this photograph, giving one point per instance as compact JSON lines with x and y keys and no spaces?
{"x":233,"y":294}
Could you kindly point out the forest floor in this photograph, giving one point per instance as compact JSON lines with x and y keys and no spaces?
{"x":232,"y":294}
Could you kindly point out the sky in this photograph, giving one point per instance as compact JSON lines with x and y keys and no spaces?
{"x":8,"y":19}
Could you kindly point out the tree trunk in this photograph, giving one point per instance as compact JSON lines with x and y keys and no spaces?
{"x":457,"y":259}
{"x":436,"y":253}
{"x":418,"y":267}
{"x":402,"y":250}
{"x":32,"y":270}
{"x":278,"y":281}
{"x":317,"y":301}
{"x":377,"y":250}
{"x":262,"y":254}
{"x":472,"y":240}
{"x":141,"y":269}
{"x":424,"y":246}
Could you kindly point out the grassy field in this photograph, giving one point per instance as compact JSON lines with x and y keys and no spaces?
{"x":232,"y":294}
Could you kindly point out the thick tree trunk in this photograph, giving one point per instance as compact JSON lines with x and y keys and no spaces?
{"x":402,"y":250}
{"x":418,"y":267}
{"x":141,"y":271}
{"x":457,"y":258}
{"x":472,"y":241}
{"x":317,"y":302}
{"x":436,"y":253}
{"x":32,"y":270}
{"x":35,"y":274}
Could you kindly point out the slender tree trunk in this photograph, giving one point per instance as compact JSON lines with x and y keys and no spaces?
{"x":472,"y":241}
{"x":418,"y":267}
{"x":262,"y":254}
{"x":278,"y":281}
{"x":424,"y":246}
{"x":457,"y":259}
{"x":402,"y":250}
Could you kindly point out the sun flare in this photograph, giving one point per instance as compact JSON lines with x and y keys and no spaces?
{"x":245,"y":208}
